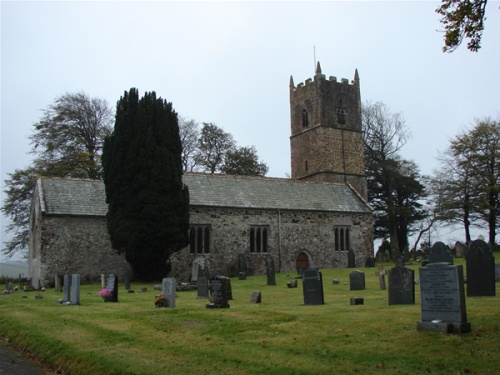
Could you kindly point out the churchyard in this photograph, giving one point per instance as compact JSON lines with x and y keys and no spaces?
{"x":356,"y":330}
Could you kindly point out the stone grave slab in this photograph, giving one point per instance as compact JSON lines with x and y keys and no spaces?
{"x":443,"y":299}
{"x":312,"y":283}
{"x":169,"y":289}
{"x":357,"y":280}
{"x":401,"y":286}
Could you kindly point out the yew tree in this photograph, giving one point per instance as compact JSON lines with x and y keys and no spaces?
{"x":148,"y":204}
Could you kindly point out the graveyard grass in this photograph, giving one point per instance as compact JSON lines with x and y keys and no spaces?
{"x":277,"y":336}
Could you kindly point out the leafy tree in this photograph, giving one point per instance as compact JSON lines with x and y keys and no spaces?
{"x":148,"y":205}
{"x":67,"y":142}
{"x":469,"y":178}
{"x":244,"y":161}
{"x":213,"y":145}
{"x":462,"y":19}
{"x":384,"y":135}
{"x":189,"y":133}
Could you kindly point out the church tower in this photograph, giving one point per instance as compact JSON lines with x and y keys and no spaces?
{"x":327,"y":140}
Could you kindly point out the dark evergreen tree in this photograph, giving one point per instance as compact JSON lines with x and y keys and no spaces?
{"x":148,"y":205}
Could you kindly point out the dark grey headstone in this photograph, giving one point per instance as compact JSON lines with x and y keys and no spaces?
{"x":112,"y":284}
{"x":400,"y":261}
{"x":271,"y":273}
{"x":440,"y":253}
{"x":401,"y":286}
{"x":370,"y":262}
{"x":246,"y":264}
{"x":381,"y":279}
{"x":256,"y":297}
{"x":219,"y":292}
{"x":480,"y":266}
{"x":202,"y":287}
{"x":497,"y":272}
{"x":66,"y":287}
{"x":357,"y":280}
{"x":169,"y":289}
{"x":443,"y":299}
{"x":351,"y":259}
{"x":75,"y":289}
{"x":312,"y":283}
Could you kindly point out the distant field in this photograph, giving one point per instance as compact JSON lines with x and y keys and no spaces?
{"x":8,"y":269}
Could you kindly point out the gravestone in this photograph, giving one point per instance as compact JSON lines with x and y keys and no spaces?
{"x":357,"y":301}
{"x":460,"y":249}
{"x":401,"y":286}
{"x":66,"y":288}
{"x":440,"y":253}
{"x":357,"y":280}
{"x":351,"y":259}
{"x":103,"y":280}
{"x":370,"y":262}
{"x":312,"y":284}
{"x":112,"y":284}
{"x":271,"y":274}
{"x":195,"y":271}
{"x":169,"y":288}
{"x":335,"y":281}
{"x":292,"y":284}
{"x":75,"y":289}
{"x":480,"y":266}
{"x":443,"y":299}
{"x":497,"y":272}
{"x":57,"y":284}
{"x":400,"y":261}
{"x":202,"y":287}
{"x":246,"y":264}
{"x":256,"y":297}
{"x":381,"y":280}
{"x":219,"y":292}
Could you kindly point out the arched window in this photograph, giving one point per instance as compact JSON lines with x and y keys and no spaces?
{"x":258,"y":239}
{"x":199,"y":239}
{"x":341,"y":239}
{"x":305,"y":118}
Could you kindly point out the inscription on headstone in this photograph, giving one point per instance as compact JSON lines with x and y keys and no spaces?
{"x":202,"y":287}
{"x":75,"y":289}
{"x":312,"y":284}
{"x":401,"y":286}
{"x":271,"y":274}
{"x":219,"y":292}
{"x":443,"y":299}
{"x":169,"y":288}
{"x":480,"y":266}
{"x":357,"y":280}
{"x":440,"y":253}
{"x":112,"y":285}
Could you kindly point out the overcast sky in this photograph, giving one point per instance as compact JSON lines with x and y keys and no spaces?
{"x":230,"y":63}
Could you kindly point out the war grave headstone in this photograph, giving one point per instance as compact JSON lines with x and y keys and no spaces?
{"x":357,"y":280}
{"x":66,"y":288}
{"x":219,"y":293}
{"x":401,"y":286}
{"x":440,"y":253}
{"x":202,"y":287}
{"x":312,"y":284}
{"x":75,"y":289}
{"x":443,"y":299}
{"x":256,"y":297}
{"x":112,"y":285}
{"x":169,"y":288}
{"x":480,"y":267}
{"x":271,"y":273}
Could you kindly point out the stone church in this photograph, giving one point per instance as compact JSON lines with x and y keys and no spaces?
{"x":317,"y":218}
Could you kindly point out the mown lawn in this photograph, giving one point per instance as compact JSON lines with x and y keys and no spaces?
{"x":277,"y":336}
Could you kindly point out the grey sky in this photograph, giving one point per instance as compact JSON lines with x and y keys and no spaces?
{"x":230,"y":63}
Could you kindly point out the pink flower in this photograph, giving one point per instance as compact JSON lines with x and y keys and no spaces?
{"x":105,"y":292}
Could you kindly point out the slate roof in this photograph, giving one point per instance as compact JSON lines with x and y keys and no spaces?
{"x":87,"y":197}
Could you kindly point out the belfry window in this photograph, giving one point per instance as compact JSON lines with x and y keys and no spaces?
{"x":341,"y":238}
{"x":305,"y":118}
{"x":199,"y":239}
{"x":258,"y":239}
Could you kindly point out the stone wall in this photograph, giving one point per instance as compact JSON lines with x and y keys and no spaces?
{"x":290,"y":233}
{"x":78,"y":245}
